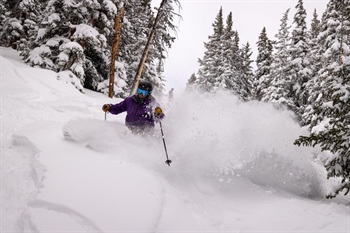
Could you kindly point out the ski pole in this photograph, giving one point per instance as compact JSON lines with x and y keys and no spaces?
{"x":105,"y":116}
{"x":168,"y":161}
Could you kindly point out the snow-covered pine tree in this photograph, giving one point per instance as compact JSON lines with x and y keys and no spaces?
{"x":12,"y":32}
{"x":315,"y":59}
{"x":136,"y":26}
{"x":315,"y":25}
{"x":228,"y":78}
{"x":87,"y":23}
{"x":31,"y":15}
{"x":315,"y":56}
{"x":246,"y":72}
{"x":210,"y":67}
{"x":262,"y":77}
{"x":236,"y":52}
{"x":19,"y":23}
{"x":4,"y":14}
{"x":11,"y":28}
{"x":3,"y":9}
{"x":239,"y":84}
{"x":190,"y":82}
{"x":328,"y":118}
{"x":280,"y":89}
{"x":221,"y":65}
{"x":97,"y":51}
{"x":299,"y":49}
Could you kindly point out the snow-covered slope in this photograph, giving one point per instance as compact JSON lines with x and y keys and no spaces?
{"x":235,"y":169}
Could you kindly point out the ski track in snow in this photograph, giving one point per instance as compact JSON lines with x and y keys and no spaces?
{"x":19,"y":166}
{"x":87,"y":224}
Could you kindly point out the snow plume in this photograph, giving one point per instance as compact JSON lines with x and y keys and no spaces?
{"x":215,"y":137}
{"x":224,"y":139}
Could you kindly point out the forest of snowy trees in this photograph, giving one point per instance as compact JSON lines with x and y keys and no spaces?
{"x":74,"y":38}
{"x":304,"y":70}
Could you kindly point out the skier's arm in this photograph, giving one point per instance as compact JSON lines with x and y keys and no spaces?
{"x":118,"y":108}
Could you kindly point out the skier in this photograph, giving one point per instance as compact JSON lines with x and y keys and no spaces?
{"x":142,"y":109}
{"x":171,"y":94}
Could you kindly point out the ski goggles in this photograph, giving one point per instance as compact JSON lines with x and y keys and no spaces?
{"x":142,"y":92}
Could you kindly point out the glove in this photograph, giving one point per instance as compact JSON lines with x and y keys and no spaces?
{"x":106,"y":107}
{"x":158,"y":112}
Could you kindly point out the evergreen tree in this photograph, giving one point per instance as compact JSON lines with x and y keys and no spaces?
{"x":299,"y":49}
{"x":236,"y":53}
{"x":328,"y":117}
{"x":315,"y":26}
{"x":3,"y":10}
{"x":262,"y":77}
{"x":211,"y":65}
{"x":76,"y":36}
{"x":4,"y":14}
{"x":97,"y":52}
{"x":88,"y":24}
{"x":20,"y":23}
{"x":225,"y":65}
{"x":138,"y":22}
{"x":280,"y":89}
{"x":228,"y":78}
{"x":238,"y":83}
{"x":315,"y":58}
{"x":246,"y":72}
{"x":221,"y":66}
{"x":191,"y":82}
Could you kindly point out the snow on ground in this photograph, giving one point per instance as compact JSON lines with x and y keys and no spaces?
{"x":64,"y":168}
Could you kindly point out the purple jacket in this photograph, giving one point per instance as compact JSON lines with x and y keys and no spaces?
{"x":139,"y":114}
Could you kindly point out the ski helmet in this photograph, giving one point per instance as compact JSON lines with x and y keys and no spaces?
{"x":146,"y":86}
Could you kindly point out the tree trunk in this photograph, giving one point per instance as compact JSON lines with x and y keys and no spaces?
{"x":145,"y":51}
{"x":115,"y":46}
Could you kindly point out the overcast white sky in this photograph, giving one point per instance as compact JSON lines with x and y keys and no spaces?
{"x":249,"y":18}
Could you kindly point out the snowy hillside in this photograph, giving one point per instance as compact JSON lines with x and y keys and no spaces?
{"x":235,"y":168}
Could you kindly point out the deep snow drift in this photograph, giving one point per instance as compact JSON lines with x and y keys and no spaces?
{"x":235,"y":168}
